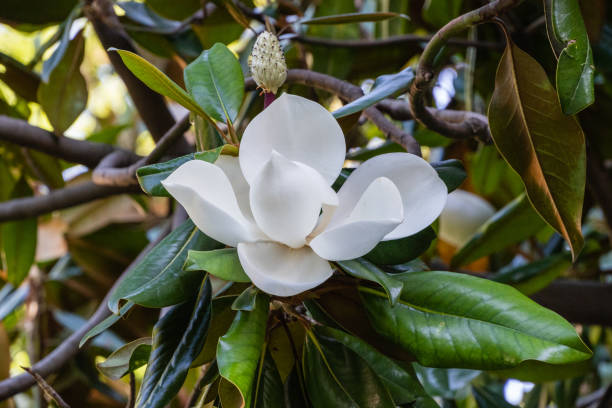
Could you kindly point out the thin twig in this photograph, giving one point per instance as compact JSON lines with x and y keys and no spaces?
{"x":49,"y":393}
{"x":55,"y":360}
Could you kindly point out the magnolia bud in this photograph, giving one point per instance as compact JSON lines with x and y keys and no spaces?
{"x":267,"y":63}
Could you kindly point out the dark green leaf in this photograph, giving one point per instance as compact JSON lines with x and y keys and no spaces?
{"x":240,"y":349}
{"x":362,"y":269}
{"x":178,"y":338}
{"x":222,"y":318}
{"x":158,"y":81}
{"x":55,"y":58}
{"x":106,"y":323}
{"x":353,"y":18}
{"x":440,"y":12}
{"x":142,"y":14}
{"x":575,"y":69}
{"x":18,"y":241}
{"x":536,"y":371}
{"x":175,"y":11}
{"x":73,"y":322}
{"x":268,"y":385}
{"x":534,"y":276}
{"x":64,"y":96}
{"x":399,"y":380}
{"x":150,"y":176}
{"x":24,"y":82}
{"x":46,"y":168}
{"x":513,"y":223}
{"x":451,"y":172}
{"x":336,"y":376}
{"x":35,"y":11}
{"x":485,"y":398}
{"x":215,"y":81}
{"x":159,"y":280}
{"x":385,"y":86}
{"x":543,"y":145}
{"x":444,"y":382}
{"x":126,"y":359}
{"x":401,"y":250}
{"x":448,"y":319}
{"x":222,"y":263}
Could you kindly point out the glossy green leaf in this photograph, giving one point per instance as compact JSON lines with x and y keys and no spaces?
{"x":400,"y":380}
{"x":575,"y":69}
{"x":222,"y":263}
{"x":336,"y":376}
{"x":444,"y":382}
{"x":447,"y":319}
{"x":127,"y":358}
{"x":18,"y":243}
{"x":485,"y":398}
{"x":510,"y":225}
{"x":73,"y":322}
{"x":268,"y":392}
{"x":384,"y":87}
{"x":55,"y":58}
{"x":106,"y":323}
{"x":401,"y":250}
{"x":220,"y":321}
{"x":150,"y":176}
{"x":542,"y":144}
{"x":159,"y":280}
{"x":247,"y":300}
{"x":353,"y":18}
{"x":158,"y":81}
{"x":64,"y":96}
{"x":451,"y":172}
{"x":538,"y":372}
{"x":216,"y":82}
{"x":178,"y":338}
{"x":362,"y":269}
{"x":534,"y":276}
{"x":440,"y":12}
{"x":240,"y":349}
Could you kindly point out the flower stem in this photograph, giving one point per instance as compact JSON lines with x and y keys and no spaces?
{"x":269,"y":97}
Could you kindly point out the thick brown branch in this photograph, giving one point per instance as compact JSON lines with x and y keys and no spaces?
{"x":76,"y":151}
{"x":425,"y":74}
{"x":348,"y":92}
{"x":54,"y":361}
{"x":58,"y":199}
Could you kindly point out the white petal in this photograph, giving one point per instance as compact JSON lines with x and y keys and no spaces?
{"x":286,"y":199}
{"x":300,"y":130}
{"x":378,"y":212}
{"x":463,"y":214}
{"x":423,"y":192}
{"x":206,"y":193}
{"x":280,"y":270}
{"x":231,"y":167}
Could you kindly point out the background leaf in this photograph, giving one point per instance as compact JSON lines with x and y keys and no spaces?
{"x":543,"y":145}
{"x":352,"y":18}
{"x":126,"y":359}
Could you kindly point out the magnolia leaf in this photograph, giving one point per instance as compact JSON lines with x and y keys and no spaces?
{"x":220,"y":321}
{"x":353,"y":18}
{"x":440,"y":12}
{"x":447,"y":319}
{"x":510,"y":225}
{"x":127,"y":358}
{"x":222,"y":263}
{"x":401,"y":250}
{"x":239,"y":350}
{"x":384,"y":87}
{"x":159,"y":280}
{"x":534,"y":276}
{"x":64,"y":96}
{"x":247,"y":300}
{"x":360,"y":268}
{"x":55,"y":58}
{"x":575,"y":69}
{"x":106,"y":323}
{"x":268,"y":388}
{"x":215,"y":81}
{"x":178,"y":338}
{"x":542,"y":144}
{"x":336,"y":376}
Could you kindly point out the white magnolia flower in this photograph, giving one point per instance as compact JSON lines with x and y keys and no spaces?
{"x":462,"y":216}
{"x":275,"y":204}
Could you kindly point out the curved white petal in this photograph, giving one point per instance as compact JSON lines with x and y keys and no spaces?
{"x":378,"y":212}
{"x":300,"y":130}
{"x":206,"y":193}
{"x":280,"y":270}
{"x":423,"y":192}
{"x":231,"y":167}
{"x":463,"y":214}
{"x":286,"y":199}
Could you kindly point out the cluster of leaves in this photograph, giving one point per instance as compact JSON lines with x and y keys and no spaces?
{"x":386,"y":330}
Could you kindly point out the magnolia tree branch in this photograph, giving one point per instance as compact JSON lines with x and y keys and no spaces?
{"x":23,"y":134}
{"x":70,"y":196}
{"x":348,"y":92}
{"x":55,"y":360}
{"x":425,"y":73}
